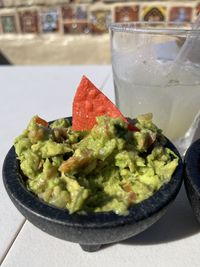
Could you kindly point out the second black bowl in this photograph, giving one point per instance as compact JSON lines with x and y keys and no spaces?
{"x":192,"y":177}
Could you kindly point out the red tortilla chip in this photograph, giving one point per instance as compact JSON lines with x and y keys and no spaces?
{"x":89,"y":102}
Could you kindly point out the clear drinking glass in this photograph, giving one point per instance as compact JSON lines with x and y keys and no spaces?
{"x":149,"y":78}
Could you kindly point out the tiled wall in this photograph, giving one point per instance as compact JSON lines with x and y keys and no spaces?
{"x":86,"y":17}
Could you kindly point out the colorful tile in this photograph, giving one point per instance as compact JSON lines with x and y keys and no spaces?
{"x":29,"y":21}
{"x":99,"y":20}
{"x":68,"y":12}
{"x":8,"y":23}
{"x":50,"y":20}
{"x":126,"y":13}
{"x":154,"y":13}
{"x":76,"y":28}
{"x":180,"y":14}
{"x":197,"y":9}
{"x":1,"y":3}
{"x":81,"y":12}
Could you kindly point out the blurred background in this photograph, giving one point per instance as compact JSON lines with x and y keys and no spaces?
{"x":57,"y":32}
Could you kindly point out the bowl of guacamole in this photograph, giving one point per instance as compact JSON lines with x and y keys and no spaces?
{"x":92,"y":187}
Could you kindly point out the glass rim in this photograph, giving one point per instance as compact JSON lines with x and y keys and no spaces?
{"x":133,"y":27}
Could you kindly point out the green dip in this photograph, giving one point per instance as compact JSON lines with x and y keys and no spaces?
{"x":106,"y":169}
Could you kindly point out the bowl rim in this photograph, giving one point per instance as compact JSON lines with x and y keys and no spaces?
{"x":26,"y":200}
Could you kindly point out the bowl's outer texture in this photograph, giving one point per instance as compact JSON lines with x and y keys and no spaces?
{"x":91,"y":229}
{"x":192,"y":177}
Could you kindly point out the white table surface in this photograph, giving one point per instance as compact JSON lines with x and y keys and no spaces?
{"x":48,"y":92}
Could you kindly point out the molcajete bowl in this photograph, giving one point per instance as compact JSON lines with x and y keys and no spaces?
{"x":192,"y":177}
{"x":90,"y":230}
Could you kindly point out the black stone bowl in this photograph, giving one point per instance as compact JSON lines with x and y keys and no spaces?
{"x":91,"y":230}
{"x":192,"y":177}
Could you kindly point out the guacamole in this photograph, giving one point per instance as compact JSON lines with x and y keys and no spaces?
{"x":108,"y":168}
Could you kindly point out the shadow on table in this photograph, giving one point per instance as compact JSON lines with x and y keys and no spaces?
{"x":178,"y":223}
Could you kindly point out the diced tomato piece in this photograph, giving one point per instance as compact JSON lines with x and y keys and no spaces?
{"x":40,"y":121}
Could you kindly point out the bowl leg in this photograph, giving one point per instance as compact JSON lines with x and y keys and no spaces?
{"x":90,"y":248}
